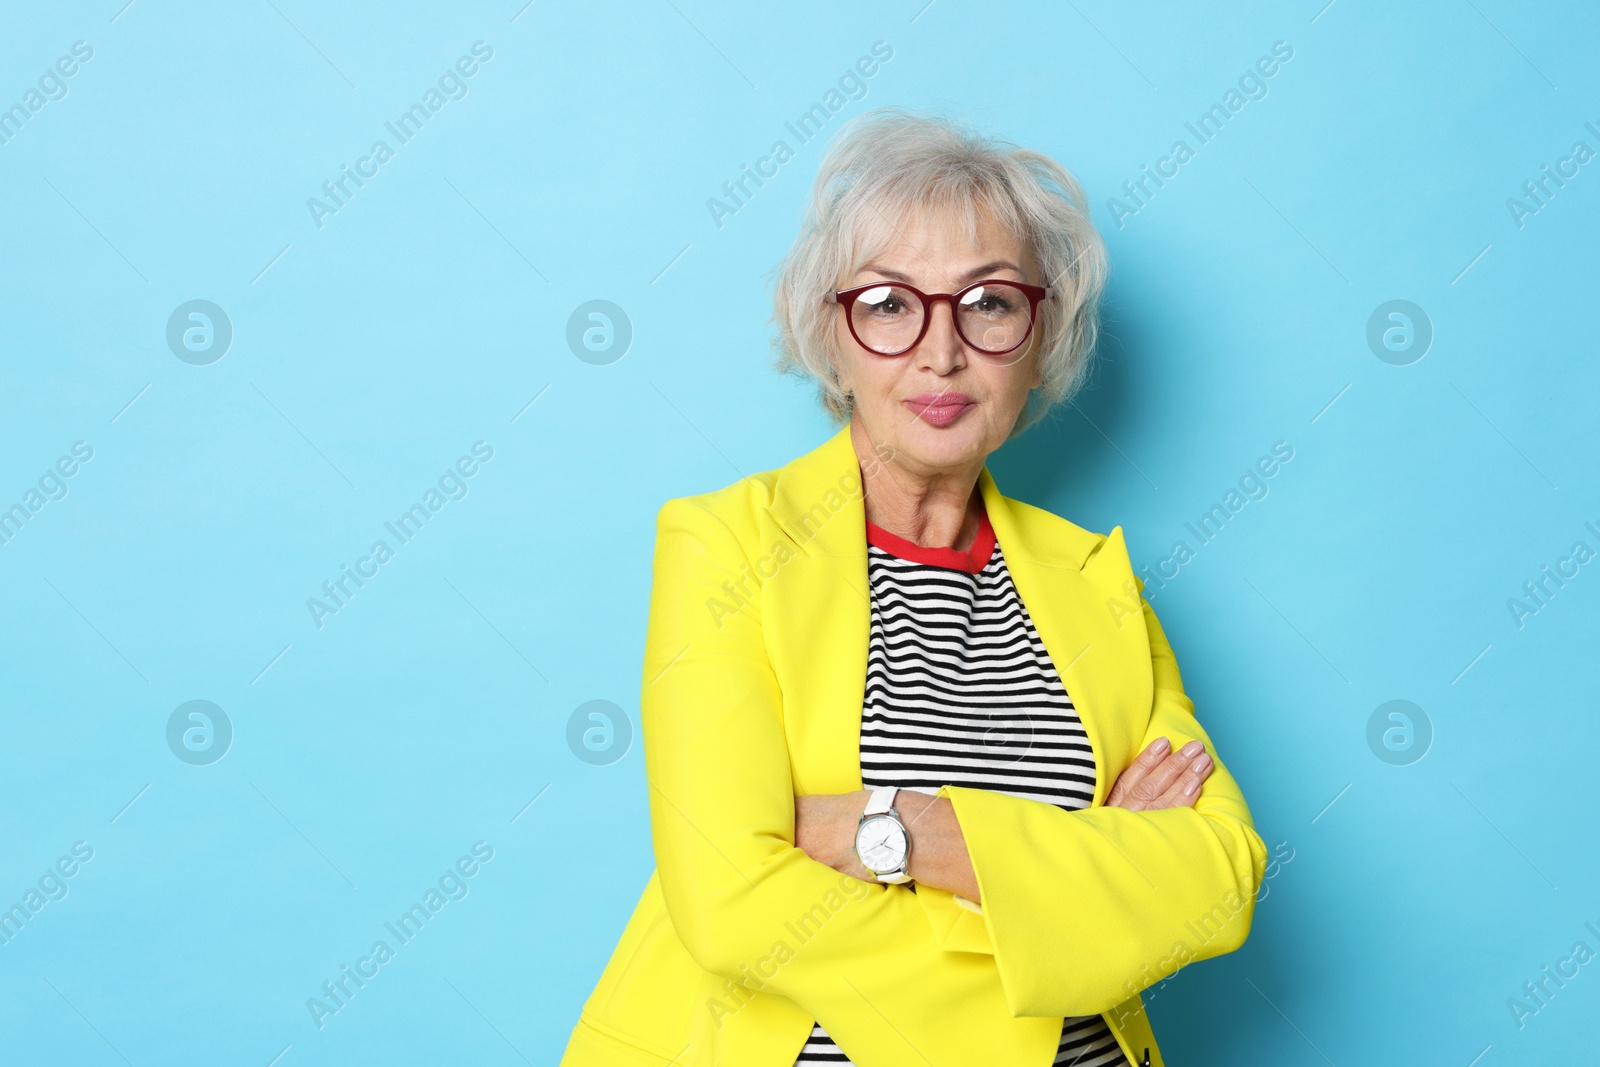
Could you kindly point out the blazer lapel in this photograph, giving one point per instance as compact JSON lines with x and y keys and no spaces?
{"x":1088,"y":614}
{"x":818,"y":614}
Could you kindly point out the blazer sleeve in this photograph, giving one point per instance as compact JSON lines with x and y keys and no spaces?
{"x":1082,"y":909}
{"x":745,"y":901}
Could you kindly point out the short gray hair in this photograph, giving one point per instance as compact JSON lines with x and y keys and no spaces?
{"x":890,"y":161}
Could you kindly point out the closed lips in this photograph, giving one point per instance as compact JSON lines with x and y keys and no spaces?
{"x":941,"y":400}
{"x":940,"y":409}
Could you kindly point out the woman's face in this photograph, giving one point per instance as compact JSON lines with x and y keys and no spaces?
{"x":943,"y":406}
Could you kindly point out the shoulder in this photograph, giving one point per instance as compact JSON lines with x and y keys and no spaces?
{"x":750,"y":526}
{"x":734,"y":511}
{"x":805,"y":491}
{"x":1044,"y":535}
{"x":1046,"y":520}
{"x":1101,"y":557}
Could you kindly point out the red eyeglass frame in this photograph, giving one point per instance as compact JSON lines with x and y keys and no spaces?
{"x":846,"y":298}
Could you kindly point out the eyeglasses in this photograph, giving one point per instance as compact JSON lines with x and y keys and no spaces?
{"x":992,"y":316}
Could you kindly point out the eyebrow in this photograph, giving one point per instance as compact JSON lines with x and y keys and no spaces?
{"x":971,"y":275}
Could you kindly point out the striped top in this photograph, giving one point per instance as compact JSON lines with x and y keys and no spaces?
{"x":961,"y":691}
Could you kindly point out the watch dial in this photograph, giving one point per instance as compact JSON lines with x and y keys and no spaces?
{"x":881,"y":844}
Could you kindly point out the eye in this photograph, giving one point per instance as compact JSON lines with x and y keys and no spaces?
{"x":882,"y":300}
{"x":988,"y":300}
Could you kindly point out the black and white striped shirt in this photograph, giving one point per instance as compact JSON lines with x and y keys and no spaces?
{"x":961,"y":691}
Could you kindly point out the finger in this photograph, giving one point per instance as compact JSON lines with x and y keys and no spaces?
{"x":1136,"y":775}
{"x":1171,"y":769}
{"x":1185,"y":790}
{"x":1135,"y":772}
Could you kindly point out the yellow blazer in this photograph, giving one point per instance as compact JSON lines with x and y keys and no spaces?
{"x":754,"y":673}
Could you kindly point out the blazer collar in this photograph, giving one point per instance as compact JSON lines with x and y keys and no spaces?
{"x":830,"y":474}
{"x":1077,"y":587}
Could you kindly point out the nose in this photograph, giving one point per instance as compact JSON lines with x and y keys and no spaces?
{"x":942,"y":351}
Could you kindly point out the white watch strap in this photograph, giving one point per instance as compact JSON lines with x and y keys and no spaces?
{"x":881,"y":800}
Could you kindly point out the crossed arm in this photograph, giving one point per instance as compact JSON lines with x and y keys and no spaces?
{"x":726,"y":831}
{"x":825,"y":823}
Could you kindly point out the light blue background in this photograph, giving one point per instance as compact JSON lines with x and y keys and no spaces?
{"x":431,"y":310}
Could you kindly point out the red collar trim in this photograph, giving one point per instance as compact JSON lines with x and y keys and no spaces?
{"x":973,"y":560}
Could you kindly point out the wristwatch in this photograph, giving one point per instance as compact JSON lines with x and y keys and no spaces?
{"x":882,"y":844}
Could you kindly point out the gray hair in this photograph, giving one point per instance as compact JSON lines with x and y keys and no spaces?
{"x":889,"y":162}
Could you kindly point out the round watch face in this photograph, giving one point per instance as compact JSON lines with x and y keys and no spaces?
{"x":881,"y":844}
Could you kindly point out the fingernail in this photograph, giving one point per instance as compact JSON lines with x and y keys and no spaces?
{"x":1202,"y":764}
{"x":1193,"y":747}
{"x":1160,"y":744}
{"x":1188,"y":790}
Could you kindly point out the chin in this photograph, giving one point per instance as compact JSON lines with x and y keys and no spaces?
{"x":945,"y":446}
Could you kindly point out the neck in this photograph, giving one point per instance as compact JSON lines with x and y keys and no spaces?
{"x":936,"y":509}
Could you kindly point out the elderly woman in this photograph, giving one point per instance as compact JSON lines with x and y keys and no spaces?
{"x":924,"y":783}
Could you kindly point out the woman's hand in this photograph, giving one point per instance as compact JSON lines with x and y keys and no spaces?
{"x":1160,"y":778}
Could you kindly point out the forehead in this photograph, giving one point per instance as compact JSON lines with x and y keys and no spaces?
{"x":930,"y":240}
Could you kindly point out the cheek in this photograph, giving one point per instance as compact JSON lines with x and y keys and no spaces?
{"x":873,"y":378}
{"x":1011,"y":383}
{"x":858,"y":370}
{"x":879,"y":384}
{"x":1008,"y":389}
